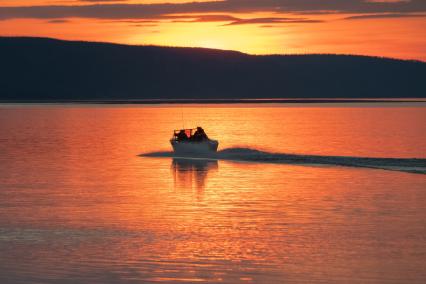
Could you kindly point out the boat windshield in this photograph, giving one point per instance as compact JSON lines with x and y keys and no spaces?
{"x":188,"y":132}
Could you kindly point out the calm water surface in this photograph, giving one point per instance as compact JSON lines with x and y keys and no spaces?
{"x":79,"y":205}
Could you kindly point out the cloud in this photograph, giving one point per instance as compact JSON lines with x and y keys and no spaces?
{"x":58,"y":21}
{"x":212,"y":18}
{"x":195,"y":18}
{"x":272,"y":21}
{"x":134,"y":21}
{"x":384,"y":16}
{"x":103,"y":11}
{"x":144,"y":11}
{"x":190,"y":18}
{"x":143,"y":25}
{"x":92,"y":1}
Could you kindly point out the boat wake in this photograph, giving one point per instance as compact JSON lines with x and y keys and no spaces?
{"x":411,"y":165}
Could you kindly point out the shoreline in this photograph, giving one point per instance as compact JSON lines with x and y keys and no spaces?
{"x":218,"y":101}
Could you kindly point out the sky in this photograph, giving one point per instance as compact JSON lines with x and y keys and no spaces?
{"x":389,"y":28}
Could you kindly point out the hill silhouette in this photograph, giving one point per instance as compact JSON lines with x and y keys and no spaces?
{"x":48,"y":69}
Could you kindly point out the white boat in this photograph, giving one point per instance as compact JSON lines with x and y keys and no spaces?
{"x":190,"y":141}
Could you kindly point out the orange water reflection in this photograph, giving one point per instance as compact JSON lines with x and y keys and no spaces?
{"x":76,"y":200}
{"x":192,"y":173}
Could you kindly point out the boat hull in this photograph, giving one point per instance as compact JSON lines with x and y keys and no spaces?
{"x":194,"y":147}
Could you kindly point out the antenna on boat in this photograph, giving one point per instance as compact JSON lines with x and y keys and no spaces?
{"x":181,"y":112}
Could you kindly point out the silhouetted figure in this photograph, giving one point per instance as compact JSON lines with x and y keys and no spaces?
{"x":199,"y":135}
{"x":182,"y":136}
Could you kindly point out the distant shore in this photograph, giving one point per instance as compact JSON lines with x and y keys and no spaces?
{"x":219,"y":101}
{"x":42,"y":70}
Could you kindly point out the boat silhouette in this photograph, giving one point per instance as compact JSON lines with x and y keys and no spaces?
{"x":192,"y":140}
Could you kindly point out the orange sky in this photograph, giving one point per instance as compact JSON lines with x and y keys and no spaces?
{"x":370,"y":27}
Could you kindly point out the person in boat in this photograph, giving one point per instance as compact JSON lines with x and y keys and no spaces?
{"x":199,"y":135}
{"x":182,"y":136}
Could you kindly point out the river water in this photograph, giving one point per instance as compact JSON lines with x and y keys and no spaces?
{"x":93,"y":194}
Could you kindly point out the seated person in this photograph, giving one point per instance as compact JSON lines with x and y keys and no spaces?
{"x":199,"y":134}
{"x":182,"y":136}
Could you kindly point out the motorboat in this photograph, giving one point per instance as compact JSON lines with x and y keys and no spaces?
{"x":192,"y":141}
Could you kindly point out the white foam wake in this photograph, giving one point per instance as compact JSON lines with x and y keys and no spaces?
{"x":412,"y":165}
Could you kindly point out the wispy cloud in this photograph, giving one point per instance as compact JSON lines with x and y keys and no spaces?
{"x":58,"y":21}
{"x":272,"y":21}
{"x":134,"y":21}
{"x":93,"y":1}
{"x":206,"y":18}
{"x":143,"y":11}
{"x":384,"y":16}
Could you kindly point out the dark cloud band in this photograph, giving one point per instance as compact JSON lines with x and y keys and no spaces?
{"x":384,"y":16}
{"x":143,"y":11}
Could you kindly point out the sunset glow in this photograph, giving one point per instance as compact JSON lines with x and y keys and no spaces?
{"x":380,"y":28}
